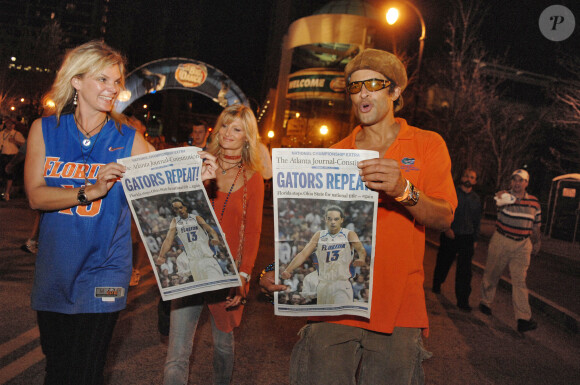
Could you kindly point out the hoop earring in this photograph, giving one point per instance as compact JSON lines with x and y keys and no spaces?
{"x":75,"y":98}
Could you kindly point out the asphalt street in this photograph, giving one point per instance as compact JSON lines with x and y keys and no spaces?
{"x":468,"y":348}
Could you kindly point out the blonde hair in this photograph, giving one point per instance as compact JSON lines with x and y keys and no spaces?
{"x":87,"y":59}
{"x":250,"y":155}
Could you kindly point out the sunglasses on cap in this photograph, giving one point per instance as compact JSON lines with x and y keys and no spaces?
{"x":371,"y":84}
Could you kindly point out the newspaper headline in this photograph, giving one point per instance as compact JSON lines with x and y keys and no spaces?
{"x":325,"y":226}
{"x":184,"y":241}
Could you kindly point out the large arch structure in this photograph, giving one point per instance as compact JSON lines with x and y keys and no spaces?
{"x":180,"y":74}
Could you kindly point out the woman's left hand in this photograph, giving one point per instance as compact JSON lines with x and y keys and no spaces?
{"x":209,"y":166}
{"x":237,"y":295}
{"x":108,"y":175}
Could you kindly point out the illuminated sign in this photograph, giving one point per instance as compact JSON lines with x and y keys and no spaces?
{"x":316,"y":84}
{"x":191,"y":75}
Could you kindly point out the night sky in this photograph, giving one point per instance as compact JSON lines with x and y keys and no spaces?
{"x":509,"y":32}
{"x":237,"y":37}
{"x":512,"y":30}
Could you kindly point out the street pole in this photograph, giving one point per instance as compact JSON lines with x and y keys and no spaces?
{"x":421,"y":46}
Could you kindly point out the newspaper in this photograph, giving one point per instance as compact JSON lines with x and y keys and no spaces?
{"x":184,"y":241}
{"x":325,"y":226}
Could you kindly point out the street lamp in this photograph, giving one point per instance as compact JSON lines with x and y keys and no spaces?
{"x":323,"y":132}
{"x":270,"y":136}
{"x":392,"y":17}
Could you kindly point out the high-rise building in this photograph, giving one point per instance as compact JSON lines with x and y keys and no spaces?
{"x":34,"y":34}
{"x":23,"y":23}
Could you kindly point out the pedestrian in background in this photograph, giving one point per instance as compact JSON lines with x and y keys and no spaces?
{"x":459,"y":241}
{"x":517,"y":229}
{"x":198,"y":135}
{"x":83,"y":264}
{"x":10,"y":141}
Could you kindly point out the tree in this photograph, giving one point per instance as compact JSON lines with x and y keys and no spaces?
{"x":510,"y":130}
{"x":6,"y":87}
{"x":464,"y":94}
{"x":564,"y":120}
{"x":483,"y":128}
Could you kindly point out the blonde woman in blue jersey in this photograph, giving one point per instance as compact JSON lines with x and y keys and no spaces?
{"x":83,"y":264}
{"x":334,"y":249}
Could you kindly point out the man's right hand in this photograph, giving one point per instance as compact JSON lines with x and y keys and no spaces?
{"x":268,"y":284}
{"x":500,"y":193}
{"x":160,"y":261}
{"x":383,"y":175}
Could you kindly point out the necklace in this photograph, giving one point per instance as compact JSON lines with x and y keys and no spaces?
{"x":225,"y":170}
{"x":230,"y":192}
{"x":232,"y":157}
{"x":87,"y":134}
{"x":227,"y":162}
{"x":85,"y":160}
{"x":240,"y":250}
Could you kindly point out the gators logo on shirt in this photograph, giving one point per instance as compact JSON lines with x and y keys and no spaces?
{"x":408,"y":164}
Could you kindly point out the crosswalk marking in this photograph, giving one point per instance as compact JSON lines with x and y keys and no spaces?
{"x":15,"y":343}
{"x":34,"y":356}
{"x":20,"y":365}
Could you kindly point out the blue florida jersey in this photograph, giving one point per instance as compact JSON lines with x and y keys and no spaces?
{"x":84,"y":251}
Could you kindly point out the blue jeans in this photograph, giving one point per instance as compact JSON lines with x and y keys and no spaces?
{"x":331,"y":354}
{"x":185,"y":313}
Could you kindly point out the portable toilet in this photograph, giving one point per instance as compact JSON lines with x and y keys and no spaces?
{"x":563,"y":220}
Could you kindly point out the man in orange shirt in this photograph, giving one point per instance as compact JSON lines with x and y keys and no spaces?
{"x":413,"y":177}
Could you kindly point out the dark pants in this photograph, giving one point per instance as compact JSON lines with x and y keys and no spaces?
{"x":75,"y":346}
{"x":462,"y":248}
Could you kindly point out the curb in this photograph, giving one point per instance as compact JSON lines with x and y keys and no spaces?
{"x":562,"y":317}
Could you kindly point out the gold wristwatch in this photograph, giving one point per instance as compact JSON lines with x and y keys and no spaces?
{"x":410,"y":196}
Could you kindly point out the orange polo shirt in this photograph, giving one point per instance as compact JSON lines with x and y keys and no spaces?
{"x":398,"y":298}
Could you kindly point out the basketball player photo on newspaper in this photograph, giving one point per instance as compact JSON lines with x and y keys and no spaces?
{"x":324,"y":227}
{"x":184,"y":241}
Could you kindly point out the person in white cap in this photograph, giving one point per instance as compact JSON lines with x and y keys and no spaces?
{"x":517,"y":229}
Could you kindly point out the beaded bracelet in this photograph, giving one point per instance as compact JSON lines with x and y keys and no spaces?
{"x":270,"y":267}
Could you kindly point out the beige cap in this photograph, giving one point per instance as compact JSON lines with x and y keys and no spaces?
{"x":380,"y":61}
{"x":522,"y":173}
